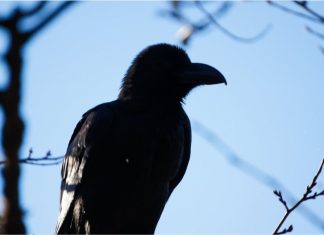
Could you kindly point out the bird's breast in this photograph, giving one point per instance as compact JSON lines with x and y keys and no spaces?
{"x":147,"y":148}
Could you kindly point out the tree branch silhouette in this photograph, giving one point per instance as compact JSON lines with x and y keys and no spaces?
{"x":229,"y":33}
{"x":306,"y":13}
{"x":10,"y":102}
{"x":252,"y":171}
{"x":191,"y":27}
{"x":34,"y":10}
{"x":316,"y":33}
{"x":306,"y":196}
{"x":312,"y":16}
{"x":46,"y":160}
{"x":48,"y":19}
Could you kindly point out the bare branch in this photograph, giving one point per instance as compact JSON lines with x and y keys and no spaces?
{"x":190,"y":28}
{"x":229,"y":33}
{"x":306,"y":196}
{"x":314,"y":195}
{"x":3,"y":22}
{"x":46,"y":160}
{"x":278,"y":193}
{"x":175,"y":13}
{"x":35,"y":10}
{"x":286,"y":230}
{"x":48,"y":19}
{"x":313,"y":18}
{"x":1,"y":97}
{"x":10,"y":99}
{"x":316,"y":33}
{"x":321,"y":49}
{"x":254,"y":172}
{"x":304,"y":5}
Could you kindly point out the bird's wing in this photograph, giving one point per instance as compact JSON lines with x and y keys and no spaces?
{"x":92,"y":126}
{"x":186,"y":148}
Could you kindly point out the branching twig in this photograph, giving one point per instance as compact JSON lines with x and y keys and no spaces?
{"x":229,"y":33}
{"x":306,"y":196}
{"x":304,"y":5}
{"x":34,"y":10}
{"x":308,"y":14}
{"x":191,"y":27}
{"x":46,"y":160}
{"x":48,"y":19}
{"x":313,"y":16}
{"x":254,"y":172}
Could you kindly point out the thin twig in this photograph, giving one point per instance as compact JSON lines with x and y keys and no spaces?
{"x":306,"y":196}
{"x":254,"y":172}
{"x":314,"y":32}
{"x":192,"y":27}
{"x":278,"y":193}
{"x":321,"y":49}
{"x":46,"y":160}
{"x":312,"y":18}
{"x":229,"y":33}
{"x":304,"y":5}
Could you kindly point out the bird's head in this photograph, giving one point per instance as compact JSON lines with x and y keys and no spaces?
{"x":164,"y":73}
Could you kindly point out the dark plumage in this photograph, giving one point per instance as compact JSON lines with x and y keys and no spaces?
{"x":125,"y":157}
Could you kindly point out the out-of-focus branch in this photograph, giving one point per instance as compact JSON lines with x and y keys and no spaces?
{"x":46,"y":160}
{"x":229,"y":33}
{"x":47,"y":20}
{"x":1,"y":96}
{"x":307,"y":13}
{"x":254,"y":172}
{"x":321,"y":49}
{"x":10,"y":102}
{"x":34,"y":10}
{"x":304,"y":6}
{"x":192,"y":27}
{"x":306,"y":196}
{"x":316,"y":33}
{"x":314,"y":17}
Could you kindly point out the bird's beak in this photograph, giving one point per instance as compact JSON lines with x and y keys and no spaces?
{"x":201,"y":74}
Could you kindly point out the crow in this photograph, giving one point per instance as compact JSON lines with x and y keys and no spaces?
{"x":125,"y":157}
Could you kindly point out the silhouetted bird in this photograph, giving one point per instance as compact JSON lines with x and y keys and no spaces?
{"x":125,"y":157}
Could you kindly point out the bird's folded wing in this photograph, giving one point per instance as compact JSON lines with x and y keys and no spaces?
{"x":186,"y":147}
{"x":83,"y":139}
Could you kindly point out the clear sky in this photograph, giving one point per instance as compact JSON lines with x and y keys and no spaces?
{"x":271,"y":113}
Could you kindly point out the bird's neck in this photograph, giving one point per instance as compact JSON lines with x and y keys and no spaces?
{"x":142,"y":103}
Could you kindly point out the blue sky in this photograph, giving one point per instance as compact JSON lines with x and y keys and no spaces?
{"x":270,"y":113}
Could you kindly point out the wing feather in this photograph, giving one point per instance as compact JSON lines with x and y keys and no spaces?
{"x":86,"y":133}
{"x":186,"y":148}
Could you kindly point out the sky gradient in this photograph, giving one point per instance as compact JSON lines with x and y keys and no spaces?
{"x":271,"y":113}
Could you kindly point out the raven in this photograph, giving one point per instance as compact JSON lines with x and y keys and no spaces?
{"x":125,"y":157}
